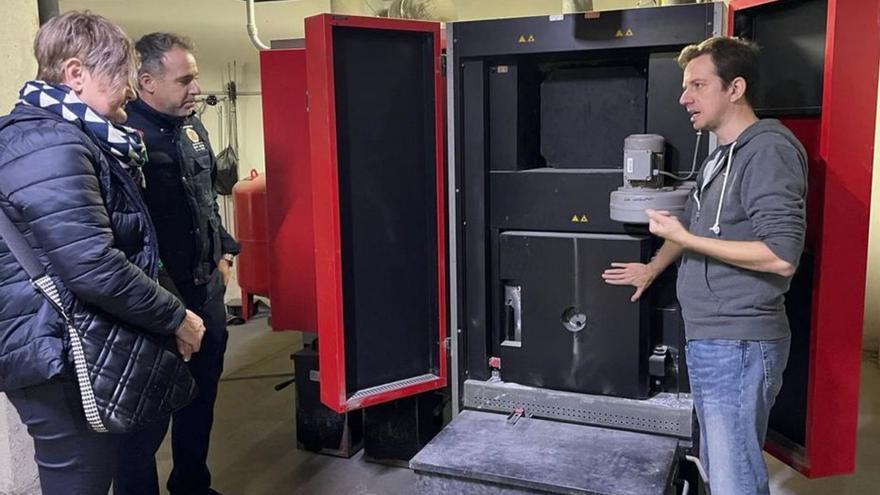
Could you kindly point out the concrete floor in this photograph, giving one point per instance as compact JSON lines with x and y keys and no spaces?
{"x":866,"y":479}
{"x":253,"y":443}
{"x":253,"y":449}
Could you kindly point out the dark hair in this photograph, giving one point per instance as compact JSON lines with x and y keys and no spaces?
{"x":152,"y":47}
{"x":733,"y":57}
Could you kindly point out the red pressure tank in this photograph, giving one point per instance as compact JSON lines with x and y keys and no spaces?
{"x":249,"y":200}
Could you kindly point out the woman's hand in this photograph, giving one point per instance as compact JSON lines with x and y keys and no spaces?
{"x":189,"y":335}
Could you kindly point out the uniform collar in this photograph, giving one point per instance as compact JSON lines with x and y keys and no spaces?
{"x":159,"y":118}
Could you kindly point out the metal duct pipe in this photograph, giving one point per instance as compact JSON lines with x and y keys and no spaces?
{"x":572,"y":6}
{"x":47,"y":9}
{"x":252,"y":27}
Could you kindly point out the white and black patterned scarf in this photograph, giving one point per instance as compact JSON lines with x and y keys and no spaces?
{"x":119,"y":142}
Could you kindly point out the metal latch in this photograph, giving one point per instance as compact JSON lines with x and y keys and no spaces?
{"x":512,"y":316}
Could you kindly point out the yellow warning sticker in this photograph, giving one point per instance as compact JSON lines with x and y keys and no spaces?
{"x":575,"y":219}
{"x":522,"y":39}
{"x":618,"y":34}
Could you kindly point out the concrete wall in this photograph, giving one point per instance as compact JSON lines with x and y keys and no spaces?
{"x":872,"y":290}
{"x":16,"y":57}
{"x":18,"y":472}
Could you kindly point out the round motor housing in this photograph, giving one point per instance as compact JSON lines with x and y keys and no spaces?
{"x":628,"y":204}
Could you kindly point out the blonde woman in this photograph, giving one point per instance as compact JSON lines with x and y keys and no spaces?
{"x":69,"y":175}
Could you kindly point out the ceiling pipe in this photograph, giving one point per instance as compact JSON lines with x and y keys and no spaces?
{"x":47,"y":10}
{"x":574,"y":6}
{"x":252,"y":27}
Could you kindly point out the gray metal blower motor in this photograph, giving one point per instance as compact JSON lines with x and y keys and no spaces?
{"x":643,"y":174}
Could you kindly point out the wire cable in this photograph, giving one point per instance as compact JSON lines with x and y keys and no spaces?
{"x":693,"y":163}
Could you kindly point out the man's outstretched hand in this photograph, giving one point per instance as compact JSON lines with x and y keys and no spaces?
{"x":639,"y":275}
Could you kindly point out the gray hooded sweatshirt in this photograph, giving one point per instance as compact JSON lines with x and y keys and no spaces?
{"x":756,"y":192}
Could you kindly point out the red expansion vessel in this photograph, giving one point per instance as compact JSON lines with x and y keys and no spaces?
{"x":249,"y":198}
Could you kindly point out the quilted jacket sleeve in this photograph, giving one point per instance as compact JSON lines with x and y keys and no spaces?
{"x":56,"y":190}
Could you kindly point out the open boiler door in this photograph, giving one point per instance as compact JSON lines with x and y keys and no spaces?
{"x":819,"y":77}
{"x":376,"y":103}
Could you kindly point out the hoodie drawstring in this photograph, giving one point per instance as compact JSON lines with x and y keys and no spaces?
{"x":716,"y":229}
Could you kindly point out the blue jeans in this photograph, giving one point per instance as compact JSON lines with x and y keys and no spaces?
{"x":734,"y":384}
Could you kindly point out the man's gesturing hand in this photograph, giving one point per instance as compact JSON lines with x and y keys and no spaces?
{"x":663,"y":224}
{"x":639,"y":275}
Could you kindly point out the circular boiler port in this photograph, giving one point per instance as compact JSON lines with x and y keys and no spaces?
{"x":573,"y":320}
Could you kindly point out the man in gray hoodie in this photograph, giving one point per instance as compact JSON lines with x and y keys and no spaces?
{"x":739,"y":242}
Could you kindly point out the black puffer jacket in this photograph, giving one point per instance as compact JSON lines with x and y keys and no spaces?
{"x":89,"y":226}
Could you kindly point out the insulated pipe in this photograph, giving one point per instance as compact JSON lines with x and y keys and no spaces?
{"x":575,"y":6}
{"x":252,"y":27}
{"x":47,"y":10}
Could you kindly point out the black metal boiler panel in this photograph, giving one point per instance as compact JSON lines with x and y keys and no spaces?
{"x":562,"y":326}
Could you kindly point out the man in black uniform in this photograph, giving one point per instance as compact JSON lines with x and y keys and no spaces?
{"x":195,"y":249}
